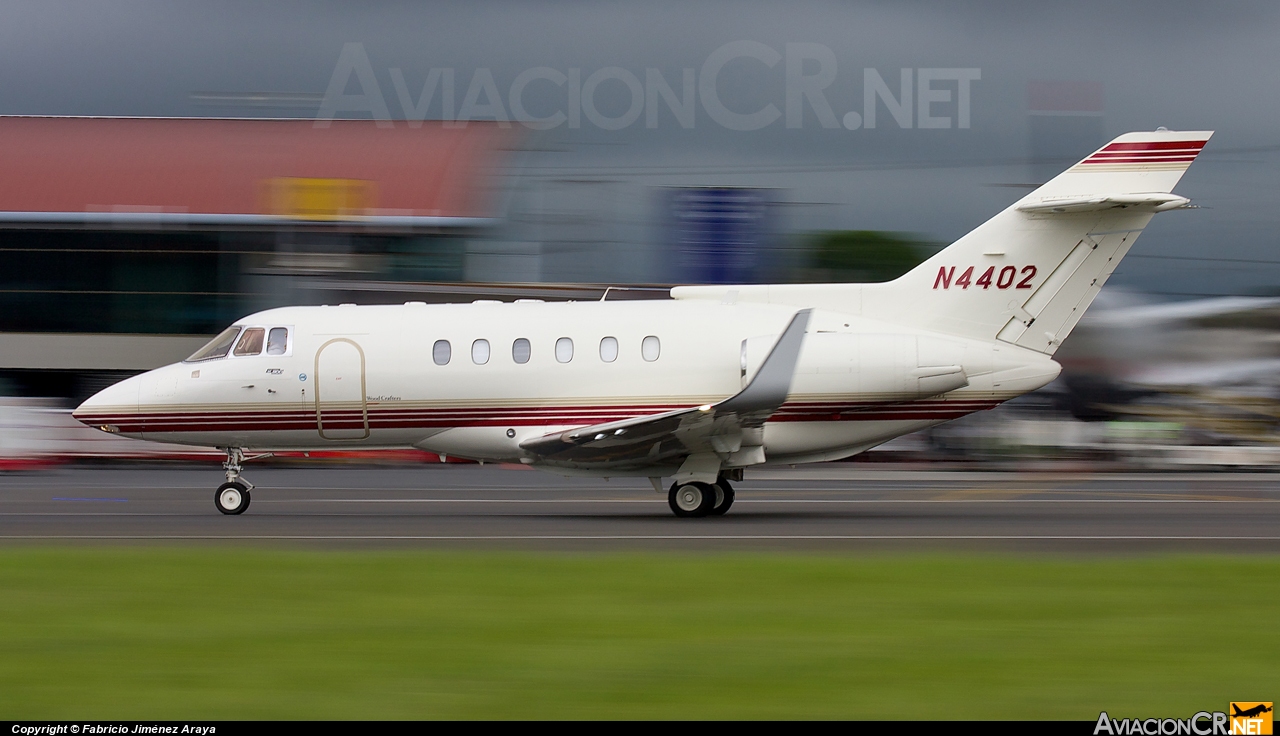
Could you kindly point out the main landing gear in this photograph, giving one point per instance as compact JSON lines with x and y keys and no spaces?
{"x":701,"y":499}
{"x":232,"y":497}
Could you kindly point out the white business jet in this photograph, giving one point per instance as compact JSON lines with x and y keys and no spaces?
{"x":696,"y":388}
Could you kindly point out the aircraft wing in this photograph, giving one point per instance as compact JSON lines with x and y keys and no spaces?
{"x":722,"y":428}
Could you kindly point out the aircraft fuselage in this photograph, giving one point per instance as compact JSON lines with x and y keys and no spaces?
{"x":378,"y":377}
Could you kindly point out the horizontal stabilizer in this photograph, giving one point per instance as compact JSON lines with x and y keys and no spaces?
{"x":1150,"y":201}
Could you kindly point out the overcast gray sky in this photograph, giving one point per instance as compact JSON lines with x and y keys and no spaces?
{"x":1187,"y":65}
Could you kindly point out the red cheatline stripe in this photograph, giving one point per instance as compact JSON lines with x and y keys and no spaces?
{"x":499,"y":422}
{"x":487,"y":411}
{"x":156,"y":425}
{"x":1162,"y":152}
{"x":357,"y":416}
{"x":181,"y":428}
{"x":515,"y":411}
{"x":865,"y":415}
{"x":1153,"y":154}
{"x":1093,"y":161}
{"x":455,"y":421}
{"x":328,"y":415}
{"x":429,"y":418}
{"x":1156,"y":146}
{"x":1140,"y":157}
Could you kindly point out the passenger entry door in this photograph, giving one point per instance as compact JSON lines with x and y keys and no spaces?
{"x":342,"y":412}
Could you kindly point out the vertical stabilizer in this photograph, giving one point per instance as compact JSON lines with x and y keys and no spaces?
{"x":1026,"y":275}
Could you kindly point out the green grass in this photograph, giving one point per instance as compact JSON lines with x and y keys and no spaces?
{"x":181,"y":632}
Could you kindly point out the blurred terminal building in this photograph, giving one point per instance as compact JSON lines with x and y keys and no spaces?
{"x":128,"y":241}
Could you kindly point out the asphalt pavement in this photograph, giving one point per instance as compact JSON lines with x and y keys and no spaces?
{"x":832,"y":506}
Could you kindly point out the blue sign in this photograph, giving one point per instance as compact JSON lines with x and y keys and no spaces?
{"x":719,"y":234}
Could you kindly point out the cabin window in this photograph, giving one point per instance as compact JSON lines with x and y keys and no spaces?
{"x":650,"y":348}
{"x":520,"y":350}
{"x":441,"y":352}
{"x":609,"y":349}
{"x":480,"y":352}
{"x":564,"y":350}
{"x":251,"y":341}
{"x":218,"y":347}
{"x":277,"y":341}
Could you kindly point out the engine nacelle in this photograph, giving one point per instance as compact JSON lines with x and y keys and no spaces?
{"x":872,"y":366}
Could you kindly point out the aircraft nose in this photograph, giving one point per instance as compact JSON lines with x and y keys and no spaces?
{"x":113,"y":409}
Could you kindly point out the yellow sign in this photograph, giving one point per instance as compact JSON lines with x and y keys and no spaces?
{"x":319,"y":199}
{"x":1250,"y":718}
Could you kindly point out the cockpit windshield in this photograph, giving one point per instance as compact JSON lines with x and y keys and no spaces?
{"x":250,"y":342}
{"x":218,"y":347}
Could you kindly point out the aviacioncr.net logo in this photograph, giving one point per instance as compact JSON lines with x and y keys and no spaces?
{"x":1246,"y":718}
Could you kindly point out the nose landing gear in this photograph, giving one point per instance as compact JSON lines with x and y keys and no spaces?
{"x":232,"y":497}
{"x":701,"y":499}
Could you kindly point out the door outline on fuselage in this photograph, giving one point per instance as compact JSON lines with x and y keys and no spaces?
{"x":364,"y":401}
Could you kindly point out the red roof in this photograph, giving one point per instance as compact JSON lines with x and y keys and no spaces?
{"x":226,"y":172}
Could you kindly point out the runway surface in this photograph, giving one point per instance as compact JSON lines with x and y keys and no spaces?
{"x":820,"y":507}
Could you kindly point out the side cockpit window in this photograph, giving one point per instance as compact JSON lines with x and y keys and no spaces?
{"x":218,"y":347}
{"x":251,"y":341}
{"x":278,"y":341}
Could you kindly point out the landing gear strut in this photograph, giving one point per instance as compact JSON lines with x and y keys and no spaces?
{"x":232,"y":497}
{"x":700,"y":499}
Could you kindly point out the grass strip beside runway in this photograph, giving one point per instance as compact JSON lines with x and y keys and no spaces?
{"x":182,"y":632}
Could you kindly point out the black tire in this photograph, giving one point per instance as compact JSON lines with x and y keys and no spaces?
{"x":688,"y":500}
{"x":724,"y":497}
{"x":232,"y":498}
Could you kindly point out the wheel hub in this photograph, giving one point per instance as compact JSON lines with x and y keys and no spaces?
{"x":689,"y":498}
{"x":231,"y":498}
